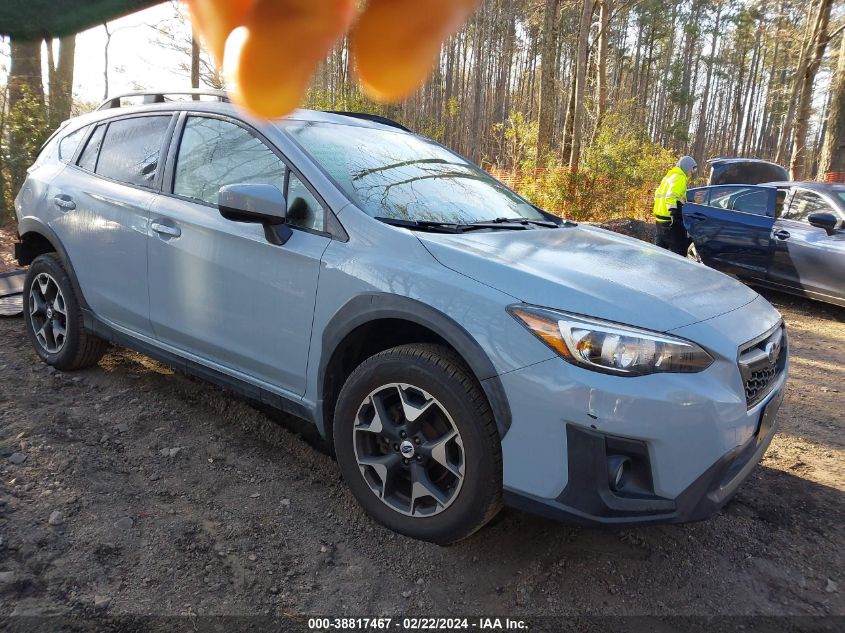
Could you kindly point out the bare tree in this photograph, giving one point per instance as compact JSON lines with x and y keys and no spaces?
{"x":60,"y":75}
{"x":580,"y":82}
{"x":832,"y":160}
{"x":547,"y":79}
{"x":815,"y":47}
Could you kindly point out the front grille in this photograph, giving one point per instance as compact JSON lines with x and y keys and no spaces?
{"x":760,"y":362}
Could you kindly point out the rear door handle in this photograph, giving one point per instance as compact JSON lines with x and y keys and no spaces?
{"x":782,"y":235}
{"x":64,"y":202}
{"x":163,"y":229}
{"x":696,"y":216}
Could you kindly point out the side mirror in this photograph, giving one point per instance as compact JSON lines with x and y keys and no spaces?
{"x":256,"y":204}
{"x":824,"y":220}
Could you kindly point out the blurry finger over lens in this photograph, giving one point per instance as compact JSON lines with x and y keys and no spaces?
{"x":215,"y":19}
{"x":396,"y":42}
{"x":285,"y":41}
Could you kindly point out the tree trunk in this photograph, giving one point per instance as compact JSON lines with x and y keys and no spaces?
{"x":789,"y":119}
{"x":815,"y":46}
{"x":25,"y":72}
{"x":195,"y":65}
{"x":701,"y":129}
{"x":580,"y":83}
{"x":601,"y":63}
{"x":26,"y":109}
{"x":546,"y":115}
{"x":832,"y":160}
{"x":61,"y":79}
{"x":106,"y":63}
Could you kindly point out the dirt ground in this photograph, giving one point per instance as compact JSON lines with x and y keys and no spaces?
{"x":148,"y":492}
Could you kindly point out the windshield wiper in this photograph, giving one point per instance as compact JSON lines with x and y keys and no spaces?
{"x":546,"y":223}
{"x":502,"y":224}
{"x":424,"y":225}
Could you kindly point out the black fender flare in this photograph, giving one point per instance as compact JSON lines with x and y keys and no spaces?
{"x":369,"y":307}
{"x":33,"y":225}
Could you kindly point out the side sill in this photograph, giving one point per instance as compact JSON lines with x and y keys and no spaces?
{"x":242,"y":388}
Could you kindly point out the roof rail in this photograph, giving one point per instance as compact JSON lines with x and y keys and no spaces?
{"x":158,"y":96}
{"x":375,"y":118}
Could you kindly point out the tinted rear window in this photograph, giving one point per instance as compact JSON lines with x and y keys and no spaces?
{"x":131,"y":148}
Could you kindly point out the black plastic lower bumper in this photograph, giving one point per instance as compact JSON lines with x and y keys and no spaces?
{"x":589,"y":500}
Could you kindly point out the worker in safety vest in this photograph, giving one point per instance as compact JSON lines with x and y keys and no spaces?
{"x":668,"y":201}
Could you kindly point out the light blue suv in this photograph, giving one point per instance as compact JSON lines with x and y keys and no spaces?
{"x":459,"y":347}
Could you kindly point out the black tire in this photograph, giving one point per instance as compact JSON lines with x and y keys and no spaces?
{"x":79,"y":348}
{"x":442,"y":374}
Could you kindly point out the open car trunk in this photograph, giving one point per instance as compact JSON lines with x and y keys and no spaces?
{"x":744,"y":171}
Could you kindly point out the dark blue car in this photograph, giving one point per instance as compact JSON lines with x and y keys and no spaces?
{"x":788,"y":236}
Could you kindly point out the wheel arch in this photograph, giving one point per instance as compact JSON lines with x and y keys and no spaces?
{"x":36,"y":238}
{"x":373,"y":322}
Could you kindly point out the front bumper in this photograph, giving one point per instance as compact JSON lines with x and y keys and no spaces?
{"x":589,"y":500}
{"x":691,"y":439}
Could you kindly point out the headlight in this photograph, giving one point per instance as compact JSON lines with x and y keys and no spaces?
{"x":610,"y":347}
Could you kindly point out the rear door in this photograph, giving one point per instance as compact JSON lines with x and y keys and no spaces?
{"x":104,"y":202}
{"x":219,"y":291}
{"x":806,"y":257}
{"x":731,"y":226}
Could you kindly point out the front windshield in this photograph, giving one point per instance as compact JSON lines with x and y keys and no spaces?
{"x":405,"y":177}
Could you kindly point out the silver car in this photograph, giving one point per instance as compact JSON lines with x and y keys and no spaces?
{"x":460,"y":348}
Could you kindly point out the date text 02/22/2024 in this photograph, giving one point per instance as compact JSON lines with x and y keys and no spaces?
{"x":417,"y":623}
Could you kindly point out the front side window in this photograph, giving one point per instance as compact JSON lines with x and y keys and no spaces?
{"x":406,"y":177}
{"x":88,"y":159}
{"x":806,"y":202}
{"x":131,"y":149}
{"x":214,"y":153}
{"x":304,"y":210}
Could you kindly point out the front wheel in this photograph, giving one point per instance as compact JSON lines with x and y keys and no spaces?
{"x":417,"y":443}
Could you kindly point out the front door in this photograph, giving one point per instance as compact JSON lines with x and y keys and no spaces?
{"x":219,"y":291}
{"x":806,"y":258}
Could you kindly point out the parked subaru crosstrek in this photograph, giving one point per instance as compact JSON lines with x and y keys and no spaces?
{"x":459,"y":347}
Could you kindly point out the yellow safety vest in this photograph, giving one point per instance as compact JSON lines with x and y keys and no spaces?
{"x":672,"y":188}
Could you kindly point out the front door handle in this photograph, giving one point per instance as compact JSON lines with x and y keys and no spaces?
{"x":163,"y":229}
{"x":64,"y":202}
{"x":782,"y":235}
{"x":696,"y":216}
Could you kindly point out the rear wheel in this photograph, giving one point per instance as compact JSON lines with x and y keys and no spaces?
{"x":417,"y":444}
{"x":53,"y":318}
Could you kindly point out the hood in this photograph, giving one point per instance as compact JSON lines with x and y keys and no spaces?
{"x":593,"y":272}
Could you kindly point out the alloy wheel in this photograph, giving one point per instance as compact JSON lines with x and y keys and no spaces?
{"x":48,"y":313}
{"x":409,"y":450}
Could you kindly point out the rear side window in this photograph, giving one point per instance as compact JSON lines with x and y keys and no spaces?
{"x":68,"y":145}
{"x":88,"y":159}
{"x":131,"y":148}
{"x":747,"y":199}
{"x":214,"y":153}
